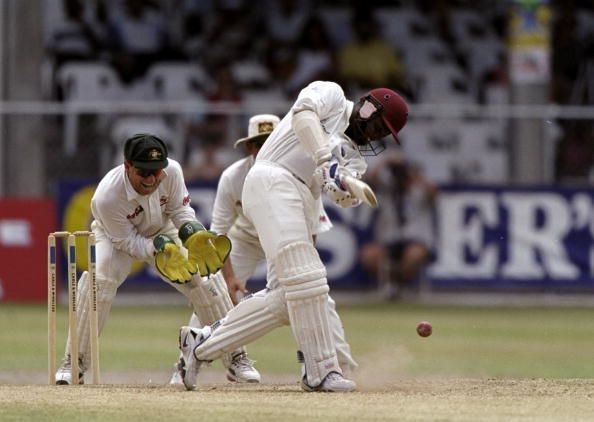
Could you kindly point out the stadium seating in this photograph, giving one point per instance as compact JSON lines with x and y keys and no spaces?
{"x":177,"y":80}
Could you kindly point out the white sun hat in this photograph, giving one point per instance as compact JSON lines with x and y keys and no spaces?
{"x":259,"y":127}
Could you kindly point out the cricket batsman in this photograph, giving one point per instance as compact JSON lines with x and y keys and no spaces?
{"x":247,"y":253}
{"x":315,"y":148}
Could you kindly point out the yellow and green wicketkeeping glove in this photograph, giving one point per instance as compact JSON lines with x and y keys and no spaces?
{"x":207,"y":251}
{"x":170,"y":261}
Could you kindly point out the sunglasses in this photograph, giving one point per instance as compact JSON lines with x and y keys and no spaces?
{"x":148,"y":172}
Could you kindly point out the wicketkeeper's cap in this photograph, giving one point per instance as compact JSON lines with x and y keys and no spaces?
{"x":395,"y":110}
{"x":146,"y":151}
{"x":259,"y":127}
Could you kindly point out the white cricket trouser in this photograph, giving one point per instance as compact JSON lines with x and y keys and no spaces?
{"x":285,"y":215}
{"x":246,"y":255}
{"x":281,"y":207}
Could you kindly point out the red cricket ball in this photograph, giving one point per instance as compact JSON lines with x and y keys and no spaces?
{"x":424,"y":328}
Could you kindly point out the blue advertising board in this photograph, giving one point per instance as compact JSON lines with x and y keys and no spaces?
{"x":488,"y":238}
{"x":338,"y":248}
{"x":492,"y":238}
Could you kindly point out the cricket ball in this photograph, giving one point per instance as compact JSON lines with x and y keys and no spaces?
{"x":424,"y":328}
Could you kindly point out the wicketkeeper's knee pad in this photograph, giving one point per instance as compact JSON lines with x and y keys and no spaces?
{"x":253,"y":317}
{"x":209,"y":297}
{"x":211,"y":302}
{"x":302,"y":276}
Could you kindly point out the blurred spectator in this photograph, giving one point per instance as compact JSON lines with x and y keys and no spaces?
{"x":440,"y":12}
{"x":368,"y":60}
{"x":567,"y":54}
{"x":205,"y":162}
{"x":76,"y":37}
{"x":286,"y":20}
{"x":208,"y":136}
{"x":192,"y":43}
{"x":314,"y":57}
{"x":493,"y":84}
{"x":404,"y":229}
{"x":574,"y":157}
{"x":282,"y":62}
{"x":185,"y":23}
{"x":231,"y":32}
{"x":138,"y":38}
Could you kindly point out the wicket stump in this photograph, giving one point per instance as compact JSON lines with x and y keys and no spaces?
{"x":72,"y":304}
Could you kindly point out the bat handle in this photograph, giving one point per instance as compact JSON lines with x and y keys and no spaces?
{"x":338,"y":181}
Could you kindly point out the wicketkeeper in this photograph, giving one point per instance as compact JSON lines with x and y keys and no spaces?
{"x":142,"y":211}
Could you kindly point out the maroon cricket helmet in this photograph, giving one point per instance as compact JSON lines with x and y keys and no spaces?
{"x":394,"y":110}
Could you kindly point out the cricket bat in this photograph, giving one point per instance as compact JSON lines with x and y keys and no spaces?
{"x":359,"y":189}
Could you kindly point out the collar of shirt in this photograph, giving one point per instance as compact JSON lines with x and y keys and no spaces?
{"x":347,"y":115}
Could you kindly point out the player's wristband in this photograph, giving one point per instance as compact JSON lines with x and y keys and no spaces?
{"x":160,"y":241}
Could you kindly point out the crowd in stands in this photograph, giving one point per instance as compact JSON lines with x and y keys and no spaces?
{"x":571,"y":84}
{"x":366,"y":43}
{"x":443,"y":51}
{"x":232,"y":51}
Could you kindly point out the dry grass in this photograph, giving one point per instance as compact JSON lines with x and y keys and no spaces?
{"x":454,"y":399}
{"x":481,"y":364}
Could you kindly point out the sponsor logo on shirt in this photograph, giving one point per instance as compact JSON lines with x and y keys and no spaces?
{"x":136,"y":212}
{"x":163,"y":200}
{"x":186,"y":200}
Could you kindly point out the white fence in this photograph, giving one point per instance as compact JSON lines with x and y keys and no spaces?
{"x":467,"y":141}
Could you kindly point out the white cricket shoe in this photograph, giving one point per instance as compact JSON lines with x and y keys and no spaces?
{"x":64,"y":372}
{"x":189,"y":338}
{"x":333,"y":383}
{"x":241,"y":370}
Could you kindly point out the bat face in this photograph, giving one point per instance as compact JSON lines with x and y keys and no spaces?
{"x":371,"y":200}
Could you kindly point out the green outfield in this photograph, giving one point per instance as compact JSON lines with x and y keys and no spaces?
{"x":475,"y":353}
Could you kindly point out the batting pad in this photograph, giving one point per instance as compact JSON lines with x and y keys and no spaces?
{"x":105,"y":294}
{"x":252,"y":318}
{"x":302,"y":276}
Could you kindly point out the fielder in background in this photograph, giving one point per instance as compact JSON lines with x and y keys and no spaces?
{"x":247,"y":253}
{"x":319,"y":141}
{"x":142,"y":211}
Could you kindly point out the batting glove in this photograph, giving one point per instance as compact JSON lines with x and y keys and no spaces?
{"x":328,"y":177}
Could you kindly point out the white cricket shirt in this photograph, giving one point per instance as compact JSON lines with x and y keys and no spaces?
{"x":228,"y":210}
{"x":131,"y":220}
{"x":327,"y":100}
